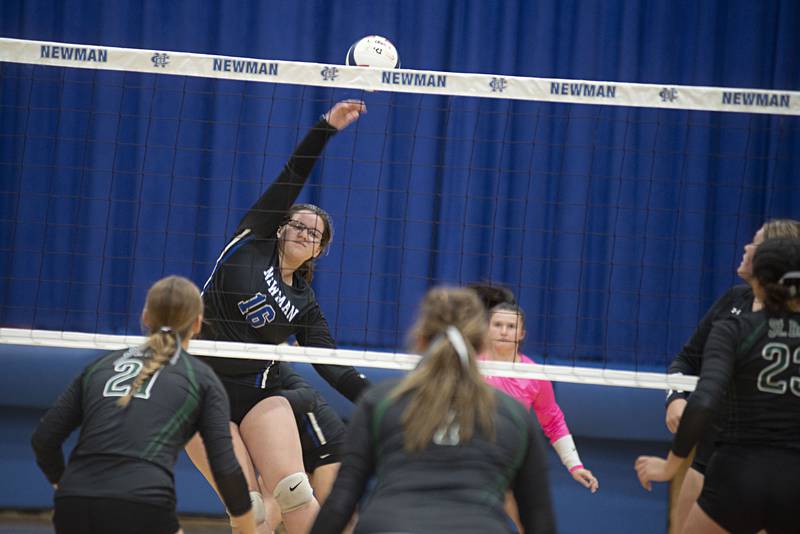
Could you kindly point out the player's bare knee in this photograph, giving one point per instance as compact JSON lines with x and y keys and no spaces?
{"x":293,"y":492}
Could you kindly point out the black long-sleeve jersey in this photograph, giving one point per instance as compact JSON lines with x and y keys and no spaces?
{"x":735,"y":301}
{"x":245,"y":298}
{"x":129,"y":453}
{"x":755,"y":358}
{"x":449,"y":486}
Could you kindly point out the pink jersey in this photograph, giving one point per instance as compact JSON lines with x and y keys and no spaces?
{"x":536,"y":394}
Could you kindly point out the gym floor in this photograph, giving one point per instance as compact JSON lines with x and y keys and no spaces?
{"x":16,"y":522}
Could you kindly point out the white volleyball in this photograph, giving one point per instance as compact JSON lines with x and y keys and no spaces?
{"x":373,"y":51}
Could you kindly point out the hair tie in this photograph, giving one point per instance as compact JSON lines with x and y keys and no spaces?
{"x":457,"y":340}
{"x":792,"y":276}
{"x":168,"y":330}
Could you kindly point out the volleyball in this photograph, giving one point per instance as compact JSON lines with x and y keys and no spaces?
{"x":373,"y":51}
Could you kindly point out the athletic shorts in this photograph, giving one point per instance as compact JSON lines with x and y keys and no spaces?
{"x":321,"y":435}
{"x":244,"y":396}
{"x":747,"y":489}
{"x":93,"y":515}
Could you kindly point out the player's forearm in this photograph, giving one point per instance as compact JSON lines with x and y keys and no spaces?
{"x":50,"y":460}
{"x":694,"y":422}
{"x":268,"y":211}
{"x":233,"y":490}
{"x":344,"y":379}
{"x":568,"y":453}
{"x":307,"y":152}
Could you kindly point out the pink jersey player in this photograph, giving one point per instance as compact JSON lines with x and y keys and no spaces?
{"x":506,"y":331}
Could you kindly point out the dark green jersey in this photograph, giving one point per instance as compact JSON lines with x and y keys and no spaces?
{"x":450,"y":486}
{"x":752,"y":361}
{"x":130,"y":452}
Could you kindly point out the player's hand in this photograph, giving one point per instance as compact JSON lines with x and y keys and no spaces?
{"x":345,"y":113}
{"x":653,"y":469}
{"x":585,"y":478}
{"x":674,"y":414}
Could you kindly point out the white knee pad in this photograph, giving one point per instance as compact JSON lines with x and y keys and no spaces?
{"x":259,"y":511}
{"x":293,"y":492}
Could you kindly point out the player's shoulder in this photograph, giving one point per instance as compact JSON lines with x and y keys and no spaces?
{"x":746,"y":329}
{"x":107,"y":359}
{"x":380,"y":391}
{"x":740,"y":292}
{"x":510,"y":407}
{"x":734,"y":295}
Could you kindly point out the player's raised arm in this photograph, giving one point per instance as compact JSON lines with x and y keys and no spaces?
{"x":268,"y":212}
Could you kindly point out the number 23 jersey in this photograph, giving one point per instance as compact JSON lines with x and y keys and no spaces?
{"x":755,"y":358}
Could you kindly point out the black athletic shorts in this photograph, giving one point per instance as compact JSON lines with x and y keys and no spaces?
{"x":748,"y":489}
{"x":93,"y":515}
{"x":321,"y":435}
{"x":243,"y":396}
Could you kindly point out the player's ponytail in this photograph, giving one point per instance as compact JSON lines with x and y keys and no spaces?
{"x":776,"y":267}
{"x":172,"y":306}
{"x":449,"y":400}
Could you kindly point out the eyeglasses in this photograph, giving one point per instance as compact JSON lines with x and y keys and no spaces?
{"x":312,"y":233}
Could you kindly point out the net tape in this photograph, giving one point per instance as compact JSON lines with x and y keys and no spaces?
{"x":358,"y":358}
{"x":607,"y":93}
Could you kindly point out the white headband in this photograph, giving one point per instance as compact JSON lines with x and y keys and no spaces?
{"x":791,"y":275}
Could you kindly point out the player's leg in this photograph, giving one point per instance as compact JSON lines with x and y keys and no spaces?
{"x":512,"y":510}
{"x":322,"y":434}
{"x":698,"y":522}
{"x":197,"y":454}
{"x":687,"y":497}
{"x":694,"y":478}
{"x":270,"y":434}
{"x":272,"y":510}
{"x":322,"y":480}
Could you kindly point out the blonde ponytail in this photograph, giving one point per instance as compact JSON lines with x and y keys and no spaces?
{"x":447,"y":389}
{"x":172,"y":306}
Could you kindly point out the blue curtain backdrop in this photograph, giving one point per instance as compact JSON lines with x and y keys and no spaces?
{"x":616,"y":227}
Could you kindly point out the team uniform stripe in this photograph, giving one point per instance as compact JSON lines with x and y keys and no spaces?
{"x":229,"y":249}
{"x":312,"y":420}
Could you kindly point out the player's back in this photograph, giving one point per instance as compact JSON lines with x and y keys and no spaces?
{"x":450,"y":486}
{"x":131,"y":451}
{"x":764,"y":395}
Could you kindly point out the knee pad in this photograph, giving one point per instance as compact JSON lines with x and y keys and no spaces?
{"x":293,"y":492}
{"x":259,"y":511}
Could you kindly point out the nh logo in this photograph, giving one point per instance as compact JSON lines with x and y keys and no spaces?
{"x":160,"y":60}
{"x":498,"y":85}
{"x":668,"y":94}
{"x":329,"y":73}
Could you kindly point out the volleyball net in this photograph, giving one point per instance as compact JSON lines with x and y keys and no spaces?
{"x":615,"y":212}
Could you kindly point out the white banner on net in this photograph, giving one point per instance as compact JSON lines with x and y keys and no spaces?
{"x":357,"y":358}
{"x":608,"y":93}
